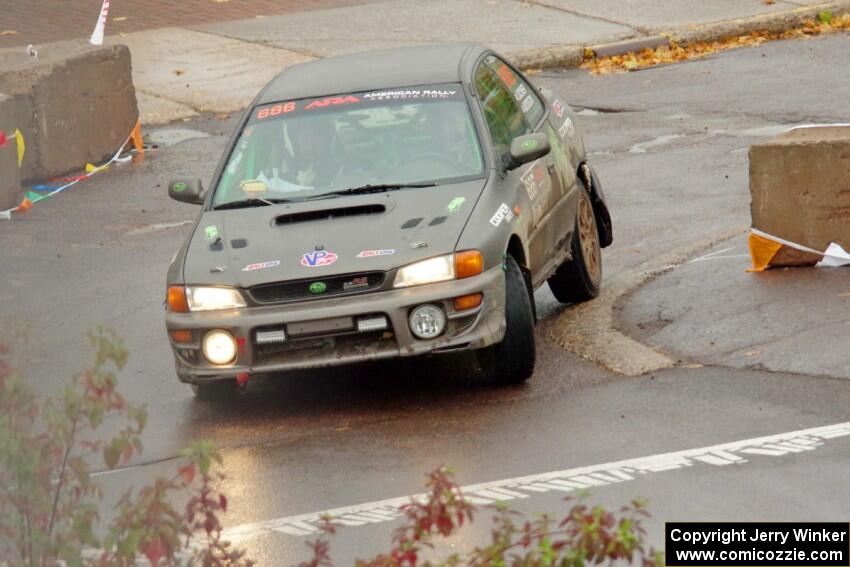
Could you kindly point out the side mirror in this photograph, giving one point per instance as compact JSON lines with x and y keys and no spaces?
{"x":528,"y":148}
{"x":187,"y":190}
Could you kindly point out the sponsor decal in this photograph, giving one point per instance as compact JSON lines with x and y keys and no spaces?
{"x":210,"y":232}
{"x":455,"y":204}
{"x":318,"y":259}
{"x":527,"y":103}
{"x":530,"y":182}
{"x":520,"y":92}
{"x":409,"y":93}
{"x":179,"y":187}
{"x":567,"y":129}
{"x":331,"y":101}
{"x":373,"y":253}
{"x":318,"y":287}
{"x":529,"y":145}
{"x":261,"y":266}
{"x":558,"y":108}
{"x":502,"y":213}
{"x":356,"y":283}
{"x":506,"y":75}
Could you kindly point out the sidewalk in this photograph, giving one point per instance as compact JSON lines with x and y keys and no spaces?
{"x":192,"y":67}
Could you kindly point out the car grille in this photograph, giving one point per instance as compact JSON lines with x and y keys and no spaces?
{"x":299,"y":290}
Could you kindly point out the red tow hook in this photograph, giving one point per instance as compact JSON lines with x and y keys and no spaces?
{"x":242,"y":379}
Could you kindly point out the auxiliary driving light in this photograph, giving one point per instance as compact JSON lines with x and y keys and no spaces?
{"x":427,"y":321}
{"x":369,"y":324}
{"x":219,"y":347}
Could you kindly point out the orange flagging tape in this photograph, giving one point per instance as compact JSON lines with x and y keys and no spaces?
{"x":762,"y":251}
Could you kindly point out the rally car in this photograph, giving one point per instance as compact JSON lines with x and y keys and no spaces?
{"x":385,"y":204}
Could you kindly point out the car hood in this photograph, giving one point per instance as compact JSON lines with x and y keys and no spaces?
{"x":343,"y":235}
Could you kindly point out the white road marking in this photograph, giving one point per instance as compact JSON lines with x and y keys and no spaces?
{"x":562,"y":481}
{"x":716,"y":255}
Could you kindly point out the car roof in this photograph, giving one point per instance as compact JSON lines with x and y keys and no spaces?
{"x":371,"y":70}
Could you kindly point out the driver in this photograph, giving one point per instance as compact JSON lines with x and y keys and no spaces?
{"x":313,"y":160}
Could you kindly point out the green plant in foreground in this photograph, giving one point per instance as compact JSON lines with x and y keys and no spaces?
{"x":586,"y":535}
{"x":50,"y":508}
{"x":49,"y":505}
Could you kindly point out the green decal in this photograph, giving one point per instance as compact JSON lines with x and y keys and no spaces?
{"x":210,"y":232}
{"x":179,"y":187}
{"x":529,"y":145}
{"x":455,"y":204}
{"x":318,"y":287}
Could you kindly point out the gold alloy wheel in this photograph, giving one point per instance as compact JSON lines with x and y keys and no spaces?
{"x":589,"y":238}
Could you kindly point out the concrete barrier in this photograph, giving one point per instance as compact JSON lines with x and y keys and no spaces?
{"x":800,"y":186}
{"x":74,"y":104}
{"x":10,"y":177}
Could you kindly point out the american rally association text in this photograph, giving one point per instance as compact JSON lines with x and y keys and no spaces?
{"x":755,"y":534}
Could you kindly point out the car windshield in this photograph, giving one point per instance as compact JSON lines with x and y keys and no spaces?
{"x":307,"y":148}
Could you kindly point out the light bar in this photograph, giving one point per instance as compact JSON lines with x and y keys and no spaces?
{"x":271,"y":337}
{"x":369,"y":324}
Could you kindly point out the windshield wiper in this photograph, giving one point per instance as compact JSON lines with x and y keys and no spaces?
{"x":252,"y":202}
{"x":368,"y":188}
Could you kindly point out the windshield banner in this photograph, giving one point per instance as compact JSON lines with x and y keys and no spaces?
{"x":427,"y":93}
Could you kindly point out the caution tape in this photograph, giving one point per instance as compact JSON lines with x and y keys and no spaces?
{"x":31,"y":197}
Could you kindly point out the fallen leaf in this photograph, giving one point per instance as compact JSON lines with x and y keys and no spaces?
{"x":844,"y":294}
{"x":120,"y":19}
{"x":768,"y":2}
{"x":826,"y":22}
{"x":8,"y":32}
{"x":179,"y":72}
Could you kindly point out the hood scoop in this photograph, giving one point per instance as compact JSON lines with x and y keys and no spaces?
{"x":329,"y":214}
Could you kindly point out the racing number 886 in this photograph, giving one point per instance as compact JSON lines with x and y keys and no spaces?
{"x":275,"y":110}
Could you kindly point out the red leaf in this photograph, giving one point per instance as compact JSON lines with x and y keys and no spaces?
{"x":187,"y":473}
{"x":222,"y":501}
{"x":154,"y":551}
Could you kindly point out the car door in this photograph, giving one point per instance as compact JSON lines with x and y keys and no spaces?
{"x":512,"y":108}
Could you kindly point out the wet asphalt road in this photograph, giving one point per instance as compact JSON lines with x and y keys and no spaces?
{"x":670,"y":148}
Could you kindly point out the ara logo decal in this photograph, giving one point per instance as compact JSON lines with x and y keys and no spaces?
{"x":334,"y":100}
{"x":318,"y":258}
{"x":261,"y":266}
{"x":373,"y":253}
{"x":318,"y":287}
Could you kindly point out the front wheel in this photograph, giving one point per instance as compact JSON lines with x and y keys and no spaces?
{"x":512,"y":360}
{"x":216,"y":390}
{"x":578,"y":279}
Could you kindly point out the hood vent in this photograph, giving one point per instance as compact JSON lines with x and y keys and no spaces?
{"x":328,"y":214}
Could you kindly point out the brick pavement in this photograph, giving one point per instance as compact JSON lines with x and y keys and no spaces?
{"x":43,"y":21}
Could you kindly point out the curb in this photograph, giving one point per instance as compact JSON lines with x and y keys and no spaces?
{"x":569,"y":56}
{"x":591,"y":329}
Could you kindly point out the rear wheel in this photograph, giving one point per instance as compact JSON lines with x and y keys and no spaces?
{"x":512,"y":360}
{"x":578,"y":278}
{"x":216,"y":390}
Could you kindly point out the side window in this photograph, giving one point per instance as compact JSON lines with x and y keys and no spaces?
{"x":523,"y":93}
{"x":504,"y":116}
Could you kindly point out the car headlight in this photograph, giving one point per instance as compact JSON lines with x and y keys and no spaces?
{"x":442,"y":268}
{"x":439,"y":269}
{"x":209,"y":298}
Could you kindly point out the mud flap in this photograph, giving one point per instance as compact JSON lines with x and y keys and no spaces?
{"x":597,"y":199}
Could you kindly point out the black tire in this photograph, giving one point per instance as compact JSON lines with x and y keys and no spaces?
{"x":578,"y":279}
{"x":512,"y":360}
{"x":216,"y":390}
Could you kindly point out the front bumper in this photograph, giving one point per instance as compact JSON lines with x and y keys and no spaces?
{"x":338,"y":342}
